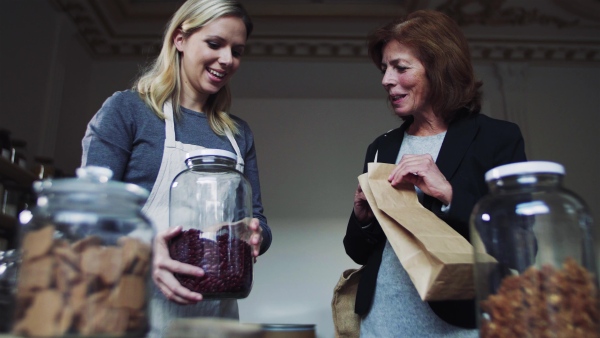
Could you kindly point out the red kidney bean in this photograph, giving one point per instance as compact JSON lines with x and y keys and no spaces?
{"x":227,"y":263}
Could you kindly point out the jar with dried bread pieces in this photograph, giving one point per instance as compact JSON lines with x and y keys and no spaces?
{"x":544,"y":282}
{"x":85,"y":259}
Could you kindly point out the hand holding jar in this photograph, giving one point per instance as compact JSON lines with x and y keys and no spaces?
{"x":165,"y":267}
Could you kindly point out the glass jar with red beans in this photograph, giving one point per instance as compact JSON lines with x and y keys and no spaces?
{"x":212,"y":201}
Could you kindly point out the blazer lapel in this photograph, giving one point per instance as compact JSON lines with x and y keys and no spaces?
{"x":456,"y":143}
{"x":390,"y":146}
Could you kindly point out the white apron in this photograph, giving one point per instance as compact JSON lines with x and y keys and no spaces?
{"x":162,"y":311}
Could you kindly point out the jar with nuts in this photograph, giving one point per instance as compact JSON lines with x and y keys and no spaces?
{"x":545,"y":280}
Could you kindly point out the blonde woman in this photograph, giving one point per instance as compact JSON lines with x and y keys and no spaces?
{"x":180,"y":104}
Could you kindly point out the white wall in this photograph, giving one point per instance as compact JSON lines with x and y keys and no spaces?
{"x":312,"y":122}
{"x":564,"y":124}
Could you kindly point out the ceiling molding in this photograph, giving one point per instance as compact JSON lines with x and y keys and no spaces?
{"x":583,"y":8}
{"x":496,"y":30}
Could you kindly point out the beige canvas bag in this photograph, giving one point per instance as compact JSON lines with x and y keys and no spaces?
{"x":345,"y":321}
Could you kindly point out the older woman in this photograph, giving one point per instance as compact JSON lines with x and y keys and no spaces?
{"x":443,"y":147}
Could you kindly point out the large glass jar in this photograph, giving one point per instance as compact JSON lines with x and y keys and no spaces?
{"x":85,"y":259}
{"x":8,"y":281}
{"x":544,"y":283}
{"x":212,"y":201}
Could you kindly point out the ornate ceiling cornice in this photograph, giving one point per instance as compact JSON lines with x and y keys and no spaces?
{"x":498,"y":30}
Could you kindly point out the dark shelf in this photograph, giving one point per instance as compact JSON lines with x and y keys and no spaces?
{"x":8,"y":230}
{"x":14,"y":177}
{"x":12,"y":172}
{"x":7,"y":223}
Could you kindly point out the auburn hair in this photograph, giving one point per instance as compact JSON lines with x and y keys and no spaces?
{"x":443,"y":50}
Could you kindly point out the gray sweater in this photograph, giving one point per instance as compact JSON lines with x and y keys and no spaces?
{"x":126,"y":136}
{"x":397,"y":309}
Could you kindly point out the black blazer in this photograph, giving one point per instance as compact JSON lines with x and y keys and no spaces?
{"x":472,"y":146}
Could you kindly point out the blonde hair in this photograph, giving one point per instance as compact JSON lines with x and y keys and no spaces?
{"x":161,"y":81}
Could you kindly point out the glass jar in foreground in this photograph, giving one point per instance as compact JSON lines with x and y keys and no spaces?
{"x":212,"y":201}
{"x":8,"y":281}
{"x":544,"y":283}
{"x":85,"y":259}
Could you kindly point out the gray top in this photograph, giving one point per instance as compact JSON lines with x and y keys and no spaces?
{"x":397,"y":309}
{"x":126,"y":136}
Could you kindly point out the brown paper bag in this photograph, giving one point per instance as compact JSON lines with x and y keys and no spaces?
{"x":345,"y":321}
{"x":438,"y":260}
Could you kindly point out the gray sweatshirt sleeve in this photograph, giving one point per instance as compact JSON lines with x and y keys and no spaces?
{"x":108,"y":138}
{"x":251,"y":173}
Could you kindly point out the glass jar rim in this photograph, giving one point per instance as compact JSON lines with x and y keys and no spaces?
{"x":210,"y":152}
{"x":529,"y":167}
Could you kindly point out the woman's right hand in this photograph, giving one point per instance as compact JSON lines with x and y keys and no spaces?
{"x":163,"y":268}
{"x":362,"y":209}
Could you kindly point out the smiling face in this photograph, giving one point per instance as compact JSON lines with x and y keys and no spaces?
{"x":405,"y":80}
{"x":209,"y":57}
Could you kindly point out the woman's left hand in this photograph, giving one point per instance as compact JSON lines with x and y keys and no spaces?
{"x":256,"y":237}
{"x":421,"y":171}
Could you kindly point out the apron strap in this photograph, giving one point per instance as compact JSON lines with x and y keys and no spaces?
{"x":240,"y":161}
{"x":170,"y":124}
{"x":170,"y":135}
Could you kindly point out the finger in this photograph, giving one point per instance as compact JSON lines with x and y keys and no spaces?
{"x":172,"y":296}
{"x":359,"y":195}
{"x":393,"y":173}
{"x":256,"y":238}
{"x":255,"y":241}
{"x":164,"y":262}
{"x":409,"y":165}
{"x":407,"y":178}
{"x":400,"y":170}
{"x":163,"y":237}
{"x":254,"y":225}
{"x":360,"y":198}
{"x":170,"y":286}
{"x":174,"y":291}
{"x":397,"y":176}
{"x":420,"y":164}
{"x":184,"y":294}
{"x":172,"y":232}
{"x":410,"y":178}
{"x":174,"y":266}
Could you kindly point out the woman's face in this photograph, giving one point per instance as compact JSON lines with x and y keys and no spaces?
{"x":210,"y":56}
{"x":405,"y":80}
